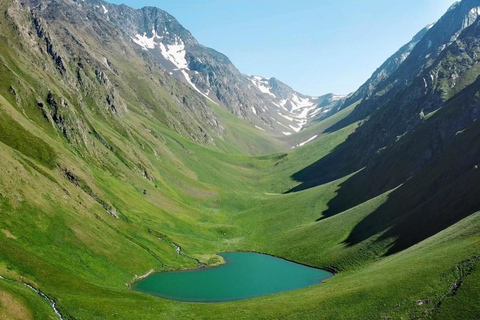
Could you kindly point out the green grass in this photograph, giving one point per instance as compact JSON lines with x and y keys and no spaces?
{"x":17,"y":302}
{"x":208,"y":202}
{"x":207,"y":196}
{"x":76,"y":252}
{"x":14,"y":135}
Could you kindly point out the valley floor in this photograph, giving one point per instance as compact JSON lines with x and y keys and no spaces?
{"x":61,"y":241}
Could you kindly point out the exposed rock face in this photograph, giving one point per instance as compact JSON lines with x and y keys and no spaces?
{"x":386,"y":69}
{"x":210,"y":73}
{"x":158,"y":38}
{"x":441,"y":65}
{"x":81,"y":42}
{"x":291,"y":109}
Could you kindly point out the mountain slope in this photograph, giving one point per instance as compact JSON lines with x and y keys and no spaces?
{"x":109,"y":165}
{"x":387,"y":68}
{"x":211,"y":73}
{"x":419,"y":137}
{"x":296,"y":110}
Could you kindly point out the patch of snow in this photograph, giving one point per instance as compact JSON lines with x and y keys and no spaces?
{"x":254,"y":110}
{"x":301,"y":108}
{"x":283,"y":125}
{"x":287,"y":133}
{"x":338,"y":97}
{"x":144,"y":41}
{"x":105,"y":11}
{"x":276,"y":104}
{"x":262,"y":84}
{"x":304,"y":112}
{"x":309,"y":140}
{"x":296,"y":129}
{"x":454,"y":6}
{"x":471,"y":18}
{"x":305,"y":142}
{"x":315,"y":112}
{"x":175,"y":53}
{"x":286,"y":117}
{"x":299,"y":103}
{"x":297,"y":109}
{"x":187,"y":77}
{"x":260,"y":128}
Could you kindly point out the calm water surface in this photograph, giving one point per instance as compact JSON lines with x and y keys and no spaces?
{"x":245,"y":275}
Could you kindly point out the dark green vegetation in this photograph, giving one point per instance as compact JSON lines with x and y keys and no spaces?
{"x":107,"y":164}
{"x":244,"y":275}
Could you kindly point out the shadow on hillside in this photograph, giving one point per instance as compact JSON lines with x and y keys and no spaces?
{"x":347,"y":159}
{"x":331,"y":167}
{"x":440,"y":195}
{"x":420,"y":209}
{"x":441,"y":191}
{"x":435,"y":170}
{"x":349,"y":120}
{"x":344,"y":160}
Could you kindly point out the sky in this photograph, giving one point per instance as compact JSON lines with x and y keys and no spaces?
{"x":315,"y":46}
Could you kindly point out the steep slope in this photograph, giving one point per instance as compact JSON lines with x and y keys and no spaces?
{"x":79,"y":44}
{"x":211,"y":73}
{"x":419,"y":136}
{"x":386,"y":69}
{"x":429,"y":48}
{"x":109,"y":165}
{"x":293,"y":110}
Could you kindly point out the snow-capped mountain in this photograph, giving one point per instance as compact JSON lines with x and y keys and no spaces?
{"x":292,"y":110}
{"x":268,"y":104}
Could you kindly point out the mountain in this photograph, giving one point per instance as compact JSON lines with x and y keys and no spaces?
{"x":296,"y":110}
{"x":429,"y":47}
{"x":211,"y":73}
{"x":127,"y":148}
{"x":414,"y":130}
{"x":387,"y":68}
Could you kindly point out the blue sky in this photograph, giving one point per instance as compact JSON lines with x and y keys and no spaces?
{"x":315,"y":46}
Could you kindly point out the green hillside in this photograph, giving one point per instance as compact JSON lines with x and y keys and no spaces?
{"x":106,"y":167}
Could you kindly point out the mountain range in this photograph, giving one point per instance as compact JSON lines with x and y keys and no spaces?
{"x":127,"y":147}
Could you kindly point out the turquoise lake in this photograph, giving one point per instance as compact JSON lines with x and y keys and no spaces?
{"x":244,"y":275}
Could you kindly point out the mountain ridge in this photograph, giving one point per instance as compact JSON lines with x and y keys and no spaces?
{"x":112,"y":168}
{"x":205,"y":69}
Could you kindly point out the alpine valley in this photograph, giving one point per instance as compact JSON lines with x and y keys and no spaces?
{"x":128,"y":148}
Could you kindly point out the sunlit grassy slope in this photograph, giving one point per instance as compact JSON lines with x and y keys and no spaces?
{"x":91,"y":199}
{"x":58,"y":237}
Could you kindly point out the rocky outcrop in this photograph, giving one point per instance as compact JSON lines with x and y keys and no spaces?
{"x":82,"y":44}
{"x":386,"y":69}
{"x":86,"y":188}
